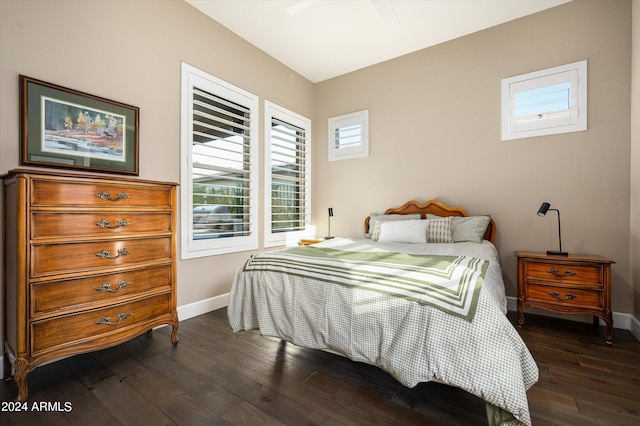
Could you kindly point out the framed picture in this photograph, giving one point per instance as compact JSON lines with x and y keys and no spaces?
{"x":65,"y":128}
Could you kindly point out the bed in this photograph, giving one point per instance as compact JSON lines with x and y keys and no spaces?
{"x":420,"y":295}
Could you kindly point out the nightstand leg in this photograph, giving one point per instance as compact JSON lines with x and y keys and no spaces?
{"x":520,"y":313}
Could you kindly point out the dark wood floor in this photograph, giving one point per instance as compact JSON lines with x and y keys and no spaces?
{"x":216,"y":377}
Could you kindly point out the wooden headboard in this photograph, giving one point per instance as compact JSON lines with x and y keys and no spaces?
{"x":433,"y":207}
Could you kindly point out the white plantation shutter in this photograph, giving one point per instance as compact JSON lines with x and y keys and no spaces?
{"x":349,"y":136}
{"x":287,"y":170}
{"x":545,"y":102}
{"x":219,"y":169}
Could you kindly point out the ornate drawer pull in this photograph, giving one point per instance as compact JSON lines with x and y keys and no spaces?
{"x":106,"y":288}
{"x":107,"y":320}
{"x":557,"y":295}
{"x":567,"y":273}
{"x":104,"y":223}
{"x":107,"y":196}
{"x":106,"y":254}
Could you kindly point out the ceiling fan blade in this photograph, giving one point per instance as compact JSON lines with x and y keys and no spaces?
{"x":299,"y":6}
{"x":387,"y":13}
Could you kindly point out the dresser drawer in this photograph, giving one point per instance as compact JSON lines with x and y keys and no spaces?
{"x":561,"y":273}
{"x":96,"y":224}
{"x":565,"y":296}
{"x":84,"y":326}
{"x":50,"y":297}
{"x":50,"y":259}
{"x":46,"y":193}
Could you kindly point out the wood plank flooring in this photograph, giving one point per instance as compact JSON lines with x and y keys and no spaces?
{"x":215,"y":377}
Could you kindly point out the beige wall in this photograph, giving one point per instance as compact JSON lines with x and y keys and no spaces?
{"x":435,"y":133}
{"x":131,"y":51}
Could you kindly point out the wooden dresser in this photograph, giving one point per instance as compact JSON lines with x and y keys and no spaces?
{"x":574,"y":284}
{"x":90,"y":262}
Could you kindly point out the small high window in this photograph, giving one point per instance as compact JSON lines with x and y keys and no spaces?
{"x":349,"y":136}
{"x":545,"y":102}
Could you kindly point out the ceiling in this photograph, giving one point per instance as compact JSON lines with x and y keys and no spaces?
{"x":321,"y":39}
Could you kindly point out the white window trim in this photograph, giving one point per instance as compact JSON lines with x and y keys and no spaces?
{"x":191,"y":248}
{"x":576,"y":73}
{"x":285,"y":238}
{"x":362,"y":149}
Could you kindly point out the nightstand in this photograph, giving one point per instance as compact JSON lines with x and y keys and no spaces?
{"x":309,"y":241}
{"x":573,"y":284}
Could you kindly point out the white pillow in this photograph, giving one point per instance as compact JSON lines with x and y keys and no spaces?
{"x":375,"y":219}
{"x":404,"y":231}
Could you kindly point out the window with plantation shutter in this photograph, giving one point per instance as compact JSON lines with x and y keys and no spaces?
{"x":219,"y":167}
{"x":545,"y":102}
{"x":287,"y":176}
{"x":349,"y":136}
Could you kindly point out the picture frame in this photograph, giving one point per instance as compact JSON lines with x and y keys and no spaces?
{"x":66,"y":128}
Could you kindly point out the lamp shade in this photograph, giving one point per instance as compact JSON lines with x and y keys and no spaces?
{"x":543,"y":209}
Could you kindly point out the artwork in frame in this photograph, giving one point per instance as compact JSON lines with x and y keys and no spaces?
{"x":61,"y":127}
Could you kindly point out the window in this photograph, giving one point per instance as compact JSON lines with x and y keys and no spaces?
{"x":287,"y":175}
{"x":219,"y":174}
{"x":545,"y":102}
{"x":349,"y":136}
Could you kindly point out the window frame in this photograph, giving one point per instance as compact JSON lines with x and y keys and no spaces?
{"x":574,"y":119}
{"x":272,"y":239}
{"x":360,"y":118}
{"x":193,"y":248}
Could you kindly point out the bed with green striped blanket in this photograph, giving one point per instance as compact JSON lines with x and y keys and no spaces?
{"x":422,"y":312}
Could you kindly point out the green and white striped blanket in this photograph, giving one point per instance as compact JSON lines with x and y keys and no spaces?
{"x":447,"y":283}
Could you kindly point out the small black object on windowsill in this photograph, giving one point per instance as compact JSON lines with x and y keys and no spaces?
{"x":543,"y":211}
{"x":330,"y":216}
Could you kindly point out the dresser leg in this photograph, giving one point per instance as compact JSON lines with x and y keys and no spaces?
{"x":174,"y":333}
{"x":607,"y":330}
{"x":20,"y":371}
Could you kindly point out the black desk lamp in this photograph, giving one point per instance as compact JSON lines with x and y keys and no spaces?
{"x":330,"y":216}
{"x":543,"y":211}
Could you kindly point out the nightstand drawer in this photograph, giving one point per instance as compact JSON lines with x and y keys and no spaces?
{"x":565,"y":296}
{"x":557,"y":272}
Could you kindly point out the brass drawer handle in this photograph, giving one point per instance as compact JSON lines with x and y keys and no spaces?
{"x":106,"y":254}
{"x":106,"y":288}
{"x":567,"y":273}
{"x":104,"y":223}
{"x":569,"y":296}
{"x":107,"y":320}
{"x":104,"y":195}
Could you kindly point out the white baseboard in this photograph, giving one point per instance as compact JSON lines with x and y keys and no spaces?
{"x":620,"y":320}
{"x":202,"y":306}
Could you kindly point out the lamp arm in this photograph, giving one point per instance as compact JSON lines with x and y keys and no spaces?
{"x":559,"y":231}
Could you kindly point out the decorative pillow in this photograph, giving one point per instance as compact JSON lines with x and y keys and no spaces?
{"x":404,"y":231}
{"x":439,"y":230}
{"x":471,"y":228}
{"x":376,"y":218}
